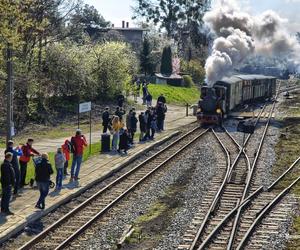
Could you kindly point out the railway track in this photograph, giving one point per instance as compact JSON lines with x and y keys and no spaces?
{"x":239,"y":213}
{"x":228,"y":196}
{"x":69,"y":227}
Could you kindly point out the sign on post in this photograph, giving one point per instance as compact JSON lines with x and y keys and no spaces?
{"x":85,"y":107}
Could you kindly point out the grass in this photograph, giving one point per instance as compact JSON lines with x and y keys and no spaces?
{"x":149,"y":227}
{"x":175,"y":95}
{"x":287,"y":151}
{"x":96,"y":148}
{"x":60,"y":131}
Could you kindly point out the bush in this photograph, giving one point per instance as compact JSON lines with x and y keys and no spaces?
{"x":187,"y":81}
{"x":195,"y":69}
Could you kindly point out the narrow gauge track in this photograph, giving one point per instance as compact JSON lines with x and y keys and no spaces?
{"x":69,"y":227}
{"x":229,"y":193}
{"x":255,"y":208}
{"x":225,"y":233}
{"x":238,"y":221}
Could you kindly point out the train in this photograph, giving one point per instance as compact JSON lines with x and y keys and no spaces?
{"x":231,"y":93}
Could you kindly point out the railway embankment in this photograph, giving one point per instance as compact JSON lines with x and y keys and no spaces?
{"x":287,"y":150}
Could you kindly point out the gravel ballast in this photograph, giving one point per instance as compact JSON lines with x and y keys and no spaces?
{"x":200,"y":159}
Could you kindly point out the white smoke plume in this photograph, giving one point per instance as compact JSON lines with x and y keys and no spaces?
{"x":240,"y":35}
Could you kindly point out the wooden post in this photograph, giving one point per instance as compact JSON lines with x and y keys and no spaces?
{"x":78,"y":110}
{"x":187,"y":109}
{"x":9,"y":84}
{"x":90,"y":146}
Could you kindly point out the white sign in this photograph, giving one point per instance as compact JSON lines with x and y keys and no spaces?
{"x":85,"y":107}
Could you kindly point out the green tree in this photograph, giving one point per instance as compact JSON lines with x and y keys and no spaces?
{"x":114,"y":64}
{"x":172,"y":15}
{"x":86,"y":19}
{"x":166,"y":67}
{"x":146,"y":59}
{"x":195,"y":69}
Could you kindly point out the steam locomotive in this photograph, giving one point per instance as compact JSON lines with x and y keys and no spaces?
{"x":230,"y":93}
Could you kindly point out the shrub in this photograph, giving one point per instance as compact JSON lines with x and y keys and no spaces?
{"x":188,"y":81}
{"x":195,"y":69}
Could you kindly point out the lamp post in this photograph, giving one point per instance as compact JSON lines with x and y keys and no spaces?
{"x":9,"y":88}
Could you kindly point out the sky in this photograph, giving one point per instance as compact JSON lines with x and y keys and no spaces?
{"x":118,"y":10}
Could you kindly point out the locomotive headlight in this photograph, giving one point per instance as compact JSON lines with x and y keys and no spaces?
{"x":219,"y":111}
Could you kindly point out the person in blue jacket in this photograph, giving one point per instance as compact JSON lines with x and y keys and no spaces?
{"x":15,"y":163}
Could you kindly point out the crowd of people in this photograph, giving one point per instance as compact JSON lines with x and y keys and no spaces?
{"x":121,"y":125}
{"x":14,"y":170}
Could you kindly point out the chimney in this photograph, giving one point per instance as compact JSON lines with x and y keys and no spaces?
{"x":113,"y":25}
{"x":123,"y":24}
{"x":127,"y":25}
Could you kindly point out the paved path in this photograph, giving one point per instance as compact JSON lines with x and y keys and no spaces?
{"x":92,"y":170}
{"x":50,"y":145}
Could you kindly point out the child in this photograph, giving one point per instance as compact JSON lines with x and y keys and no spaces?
{"x":66,"y":147}
{"x":59,"y":165}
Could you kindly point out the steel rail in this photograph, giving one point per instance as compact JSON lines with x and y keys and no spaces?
{"x":104,"y":210}
{"x":226,"y":178}
{"x":266,"y":211}
{"x":237,"y":211}
{"x":54,"y":226}
{"x":254,"y":194}
{"x":216,"y":197}
{"x":242,"y":149}
{"x":250,"y":176}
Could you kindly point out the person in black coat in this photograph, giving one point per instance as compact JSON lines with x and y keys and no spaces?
{"x":120,"y":112}
{"x":149,"y":100}
{"x":124,"y":140}
{"x":120,"y":100}
{"x":142,"y":125}
{"x":133,"y":126}
{"x":15,"y":163}
{"x":7,"y":181}
{"x":42,"y":177}
{"x":149,"y":116}
{"x":145,"y":92}
{"x":105,"y":119}
{"x":160,"y":112}
{"x":162,"y":99}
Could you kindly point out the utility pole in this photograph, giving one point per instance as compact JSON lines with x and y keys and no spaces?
{"x":9,"y":86}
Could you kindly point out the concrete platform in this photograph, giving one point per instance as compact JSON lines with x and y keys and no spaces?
{"x":92,"y":171}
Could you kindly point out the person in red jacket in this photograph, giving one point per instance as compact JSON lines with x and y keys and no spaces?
{"x":27,"y":152}
{"x":67,"y":148}
{"x":78,"y":142}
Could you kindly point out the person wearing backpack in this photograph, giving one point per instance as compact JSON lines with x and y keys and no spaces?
{"x":42,"y":178}
{"x":78,"y":142}
{"x":67,"y":149}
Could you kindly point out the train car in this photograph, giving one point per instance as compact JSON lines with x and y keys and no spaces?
{"x":232,"y":92}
